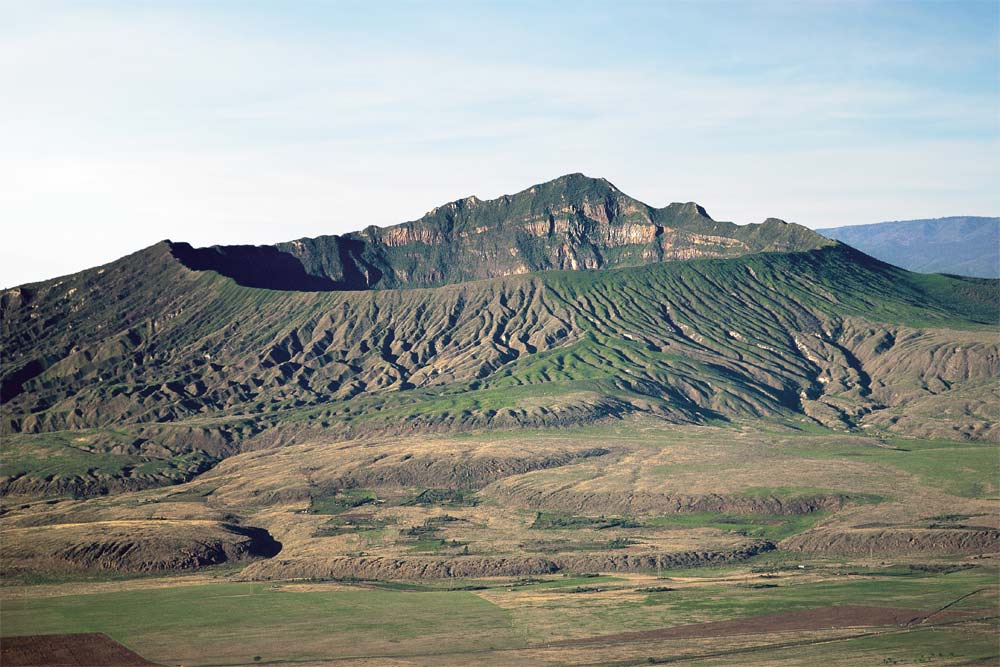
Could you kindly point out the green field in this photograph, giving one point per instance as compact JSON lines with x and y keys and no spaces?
{"x":243,"y":623}
{"x":966,"y":469}
{"x":235,"y":622}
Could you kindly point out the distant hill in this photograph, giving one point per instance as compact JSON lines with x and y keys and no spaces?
{"x":962,"y":245}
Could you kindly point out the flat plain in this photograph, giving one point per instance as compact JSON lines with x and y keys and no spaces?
{"x":873,"y":614}
{"x":358,"y":576}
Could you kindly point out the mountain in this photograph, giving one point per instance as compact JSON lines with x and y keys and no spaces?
{"x":174,"y":358}
{"x":967,"y":246}
{"x":560,"y":381}
{"x":573,"y":222}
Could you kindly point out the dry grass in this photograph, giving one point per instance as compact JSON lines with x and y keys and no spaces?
{"x":646,"y":474}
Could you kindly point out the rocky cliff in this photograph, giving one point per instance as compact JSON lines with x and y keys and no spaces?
{"x":571,"y":223}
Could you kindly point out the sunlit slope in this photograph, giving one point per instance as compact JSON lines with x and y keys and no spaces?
{"x":159,"y":360}
{"x":711,"y":338}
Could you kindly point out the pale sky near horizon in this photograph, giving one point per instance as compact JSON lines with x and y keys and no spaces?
{"x":124,"y":123}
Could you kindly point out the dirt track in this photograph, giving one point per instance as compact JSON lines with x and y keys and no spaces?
{"x":80,"y":650}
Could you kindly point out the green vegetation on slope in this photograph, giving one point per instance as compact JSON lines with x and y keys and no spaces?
{"x":191,"y":361}
{"x":961,"y":469}
{"x":94,"y":462}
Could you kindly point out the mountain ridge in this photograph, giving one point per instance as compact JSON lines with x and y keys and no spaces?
{"x":570,"y":223}
{"x":154,"y":409}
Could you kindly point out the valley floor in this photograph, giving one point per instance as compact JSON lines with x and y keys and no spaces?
{"x":774,"y":610}
{"x":572,"y":546}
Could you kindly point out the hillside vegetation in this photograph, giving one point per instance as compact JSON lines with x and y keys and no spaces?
{"x":560,"y":427}
{"x":146,"y":372}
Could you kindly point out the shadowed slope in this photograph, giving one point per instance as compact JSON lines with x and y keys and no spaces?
{"x":253,"y":266}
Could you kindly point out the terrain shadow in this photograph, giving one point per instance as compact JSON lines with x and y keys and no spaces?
{"x":262,"y":544}
{"x":256,"y":266}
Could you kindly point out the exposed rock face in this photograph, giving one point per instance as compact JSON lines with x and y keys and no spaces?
{"x":611,"y":562}
{"x":437,"y":568}
{"x":134,"y":546}
{"x":895,"y":541}
{"x":571,"y":223}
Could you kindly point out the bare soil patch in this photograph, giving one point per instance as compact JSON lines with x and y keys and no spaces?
{"x":78,"y":650}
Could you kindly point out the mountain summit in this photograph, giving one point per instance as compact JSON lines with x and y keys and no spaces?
{"x":573,"y":222}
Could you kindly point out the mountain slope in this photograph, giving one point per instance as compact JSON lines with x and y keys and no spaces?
{"x":649,"y":414}
{"x":572,"y":222}
{"x":967,"y":246}
{"x":162,"y":370}
{"x":151,"y":369}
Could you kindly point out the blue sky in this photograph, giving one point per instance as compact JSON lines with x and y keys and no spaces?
{"x":125,"y":123}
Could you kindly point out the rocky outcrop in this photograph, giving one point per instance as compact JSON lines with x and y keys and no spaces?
{"x":573,"y":500}
{"x":375,"y":567}
{"x":571,"y":223}
{"x":895,"y":541}
{"x":612,"y":562}
{"x":408,"y":234}
{"x":150,"y":555}
{"x":134,"y":546}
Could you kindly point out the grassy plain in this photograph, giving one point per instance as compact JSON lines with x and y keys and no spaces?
{"x":515,"y":620}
